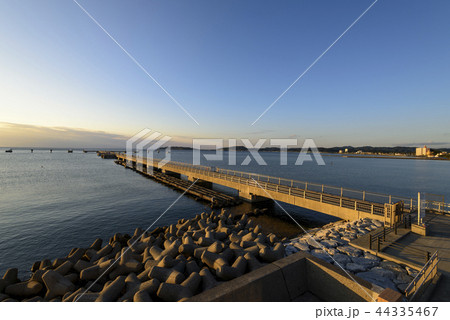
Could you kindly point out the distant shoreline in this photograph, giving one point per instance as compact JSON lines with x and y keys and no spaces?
{"x":323,"y":153}
{"x":383,"y":157}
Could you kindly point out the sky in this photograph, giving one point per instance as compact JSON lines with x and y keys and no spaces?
{"x":65,"y":82}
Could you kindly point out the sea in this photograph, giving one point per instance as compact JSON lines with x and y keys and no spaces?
{"x":53,"y":202}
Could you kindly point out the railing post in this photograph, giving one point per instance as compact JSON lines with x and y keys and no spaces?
{"x":292,"y":183}
{"x":371,"y":209}
{"x":364,"y":196}
{"x":390,"y":199}
{"x":306,"y":185}
{"x":342,"y":191}
{"x":370,"y":241}
{"x":322,"y":188}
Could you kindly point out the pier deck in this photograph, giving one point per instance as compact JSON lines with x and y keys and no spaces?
{"x":408,"y":248}
{"x":437,"y":239}
{"x":339,"y":202}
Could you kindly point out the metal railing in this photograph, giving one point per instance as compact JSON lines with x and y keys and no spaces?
{"x":422,"y":279}
{"x":379,"y":237}
{"x":322,"y":188}
{"x":437,"y":206}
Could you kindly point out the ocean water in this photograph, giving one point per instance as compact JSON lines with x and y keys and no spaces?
{"x":53,"y":202}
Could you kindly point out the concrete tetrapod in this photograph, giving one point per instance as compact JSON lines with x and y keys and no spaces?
{"x":87,"y":297}
{"x":64,"y":268}
{"x":56,"y":285}
{"x":126,"y":265}
{"x":24,"y":289}
{"x":142,"y":296}
{"x":133,"y":285}
{"x":271,"y":255}
{"x":111,"y":291}
{"x":208,"y":281}
{"x":9,"y":278}
{"x":173,"y":292}
{"x":103,"y":268}
{"x":192,"y":282}
{"x":169,"y":263}
{"x":166,"y":275}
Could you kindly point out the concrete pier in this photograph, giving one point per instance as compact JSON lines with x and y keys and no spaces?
{"x":255,"y":187}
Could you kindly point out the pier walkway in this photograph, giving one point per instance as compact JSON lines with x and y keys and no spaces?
{"x":339,"y":202}
{"x":411,"y":249}
{"x":437,"y":239}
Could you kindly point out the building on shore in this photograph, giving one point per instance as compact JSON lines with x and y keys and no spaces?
{"x":423,"y":152}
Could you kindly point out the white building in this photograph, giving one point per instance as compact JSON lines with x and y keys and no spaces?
{"x":423,"y":151}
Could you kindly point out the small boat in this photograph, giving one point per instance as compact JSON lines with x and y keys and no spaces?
{"x":9,"y":150}
{"x":70,"y":151}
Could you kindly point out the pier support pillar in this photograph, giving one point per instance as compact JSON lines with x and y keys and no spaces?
{"x":154,"y":169}
{"x":202,"y":183}
{"x":171,"y":173}
{"x":249,"y":197}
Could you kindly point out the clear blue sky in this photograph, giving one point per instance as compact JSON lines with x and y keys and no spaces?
{"x":386,"y":82}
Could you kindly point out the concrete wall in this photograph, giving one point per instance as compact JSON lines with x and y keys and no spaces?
{"x":331,"y":283}
{"x":287,"y":279}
